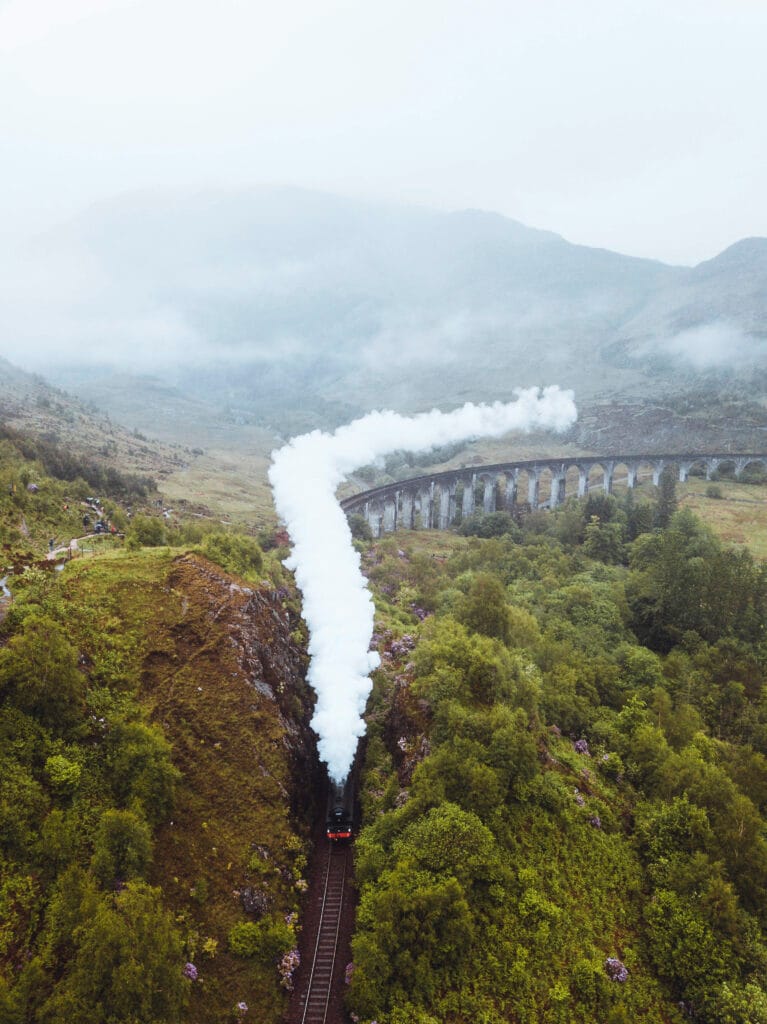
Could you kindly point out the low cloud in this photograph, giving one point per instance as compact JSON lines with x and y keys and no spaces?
{"x":715,"y":346}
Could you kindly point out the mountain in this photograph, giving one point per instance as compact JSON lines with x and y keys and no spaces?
{"x":289,"y":309}
{"x":713,"y":316}
{"x":194,"y":453}
{"x":72,"y":429}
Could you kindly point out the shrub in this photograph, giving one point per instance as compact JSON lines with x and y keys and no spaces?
{"x":22,"y":808}
{"x":267,"y":939}
{"x":39,"y":673}
{"x":359,"y":527}
{"x":200,"y":891}
{"x":127,"y":964}
{"x":754,"y":474}
{"x":234,"y":552}
{"x":143,"y":774}
{"x":64,"y":775}
{"x":484,"y":610}
{"x":490,"y":524}
{"x":123,"y":847}
{"x":147,"y":531}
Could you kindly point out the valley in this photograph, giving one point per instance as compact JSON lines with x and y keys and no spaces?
{"x":190,"y":641}
{"x":556,"y":687}
{"x":383,"y":513}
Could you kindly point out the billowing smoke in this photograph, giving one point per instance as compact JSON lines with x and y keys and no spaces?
{"x":337,"y":605}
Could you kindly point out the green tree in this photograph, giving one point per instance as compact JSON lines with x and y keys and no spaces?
{"x":23,"y":805}
{"x":64,"y":775}
{"x":484,"y":609}
{"x":143,"y":774}
{"x":665,"y":829}
{"x":666,"y":504}
{"x":146,"y":531}
{"x":490,"y":524}
{"x":450,"y":841}
{"x":234,"y":552}
{"x":127,"y":965}
{"x":414,"y":930}
{"x":454,"y":662}
{"x":684,"y":949}
{"x":266,"y":939}
{"x":39,"y":674}
{"x":359,"y":527}
{"x":604,"y":541}
{"x":122,"y":847}
{"x":684,"y":581}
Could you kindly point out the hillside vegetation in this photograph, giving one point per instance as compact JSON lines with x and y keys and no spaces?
{"x":66,"y":430}
{"x":155,"y":769}
{"x":564,"y":789}
{"x":565,"y":783}
{"x":199,"y":457}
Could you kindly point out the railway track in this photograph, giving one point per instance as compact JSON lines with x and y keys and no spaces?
{"x":314,"y":1003}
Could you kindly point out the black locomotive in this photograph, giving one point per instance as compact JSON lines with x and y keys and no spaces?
{"x":339,"y":823}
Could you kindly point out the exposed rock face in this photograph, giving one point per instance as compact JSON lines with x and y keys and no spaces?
{"x":223,"y":674}
{"x":255,"y":902}
{"x":257,"y":627}
{"x":707,"y":420}
{"x":406,"y":730}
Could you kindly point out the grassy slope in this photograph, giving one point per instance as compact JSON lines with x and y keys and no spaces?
{"x":197,"y":451}
{"x":31,"y":406}
{"x":230,"y":480}
{"x":168,"y":627}
{"x":28,"y":521}
{"x":739,"y":517}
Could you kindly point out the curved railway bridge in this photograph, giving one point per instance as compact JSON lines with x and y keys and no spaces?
{"x":433,"y":501}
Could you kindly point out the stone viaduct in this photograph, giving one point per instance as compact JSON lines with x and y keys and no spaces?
{"x":433,"y":502}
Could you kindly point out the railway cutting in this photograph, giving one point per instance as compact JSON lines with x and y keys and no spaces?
{"x":318,"y":995}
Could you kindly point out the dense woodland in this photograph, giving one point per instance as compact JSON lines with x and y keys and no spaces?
{"x":566,"y":776}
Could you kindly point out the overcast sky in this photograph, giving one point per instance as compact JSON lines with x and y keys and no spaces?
{"x":638,"y":126}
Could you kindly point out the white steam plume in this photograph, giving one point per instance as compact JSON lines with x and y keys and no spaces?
{"x":337,"y":606}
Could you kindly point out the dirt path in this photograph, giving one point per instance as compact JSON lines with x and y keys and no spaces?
{"x":74,"y":545}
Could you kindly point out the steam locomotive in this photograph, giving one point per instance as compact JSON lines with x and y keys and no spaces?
{"x":339,"y":823}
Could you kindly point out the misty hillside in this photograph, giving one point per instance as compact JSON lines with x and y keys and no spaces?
{"x":289,"y":308}
{"x":79,"y":434}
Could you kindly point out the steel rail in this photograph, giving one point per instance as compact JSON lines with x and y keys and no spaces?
{"x":320,"y":959}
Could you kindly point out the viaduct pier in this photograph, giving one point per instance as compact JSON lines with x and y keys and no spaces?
{"x":434,"y":501}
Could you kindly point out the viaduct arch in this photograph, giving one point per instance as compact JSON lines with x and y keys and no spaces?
{"x":432,"y":502}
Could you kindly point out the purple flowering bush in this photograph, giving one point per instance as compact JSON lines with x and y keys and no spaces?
{"x":190,"y":971}
{"x":399,"y":648}
{"x":287,"y":967}
{"x":616,"y":969}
